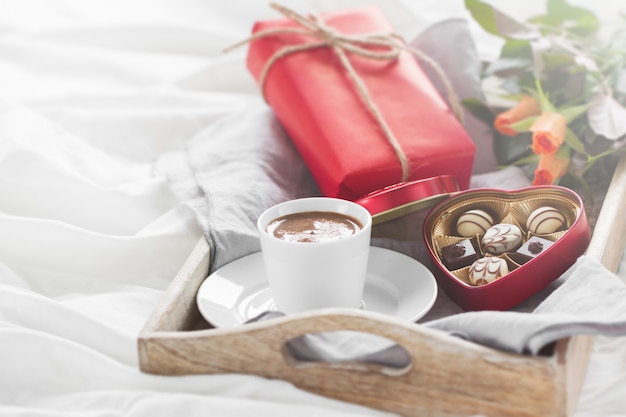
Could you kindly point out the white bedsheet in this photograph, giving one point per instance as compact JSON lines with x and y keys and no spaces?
{"x":91,"y":92}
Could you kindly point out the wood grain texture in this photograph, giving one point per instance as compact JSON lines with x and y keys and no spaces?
{"x":609,"y":236}
{"x":177,"y":310}
{"x":448,"y":376}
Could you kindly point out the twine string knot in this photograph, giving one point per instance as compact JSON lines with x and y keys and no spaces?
{"x":377,"y":46}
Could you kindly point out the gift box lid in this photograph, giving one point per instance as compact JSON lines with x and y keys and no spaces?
{"x":400,"y":199}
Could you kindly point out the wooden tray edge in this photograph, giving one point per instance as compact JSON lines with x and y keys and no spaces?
{"x":178,"y":309}
{"x":608,"y":243}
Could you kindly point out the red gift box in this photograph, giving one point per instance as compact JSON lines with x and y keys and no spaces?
{"x":339,"y":139}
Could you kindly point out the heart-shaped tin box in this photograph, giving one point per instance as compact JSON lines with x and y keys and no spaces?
{"x":528,"y":273}
{"x":531,"y":261}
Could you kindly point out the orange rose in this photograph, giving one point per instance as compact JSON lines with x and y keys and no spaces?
{"x":551,"y":167}
{"x":548,"y":133}
{"x":524,"y":109}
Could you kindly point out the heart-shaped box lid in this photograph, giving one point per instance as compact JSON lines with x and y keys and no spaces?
{"x":403,"y":198}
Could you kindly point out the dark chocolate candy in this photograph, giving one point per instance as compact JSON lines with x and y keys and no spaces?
{"x":533,"y":247}
{"x":459,"y":255}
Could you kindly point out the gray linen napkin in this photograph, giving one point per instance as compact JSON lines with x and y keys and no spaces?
{"x":231,"y":172}
{"x":244,"y":163}
{"x":588,"y":299}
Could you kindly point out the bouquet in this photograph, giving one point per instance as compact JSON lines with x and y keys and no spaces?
{"x":567,"y":86}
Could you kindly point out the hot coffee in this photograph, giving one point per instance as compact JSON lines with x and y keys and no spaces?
{"x":305,"y":276}
{"x":313,"y":226}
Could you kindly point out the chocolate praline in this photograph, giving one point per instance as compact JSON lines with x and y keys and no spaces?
{"x":487,"y":269}
{"x":459,"y":255}
{"x":545,"y":220}
{"x":532,"y":248}
{"x":473,"y":222}
{"x":503,"y":237}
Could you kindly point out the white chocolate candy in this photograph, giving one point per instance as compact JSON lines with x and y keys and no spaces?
{"x":486,"y":270}
{"x":545,"y":220}
{"x":473,"y":222}
{"x":503,"y":237}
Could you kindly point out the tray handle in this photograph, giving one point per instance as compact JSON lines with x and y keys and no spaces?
{"x":505,"y":380}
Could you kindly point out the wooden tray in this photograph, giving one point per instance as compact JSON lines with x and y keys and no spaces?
{"x":448,"y":376}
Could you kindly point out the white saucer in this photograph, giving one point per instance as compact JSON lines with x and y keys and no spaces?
{"x":396,"y":285}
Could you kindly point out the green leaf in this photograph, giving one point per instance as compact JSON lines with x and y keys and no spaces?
{"x":532,"y":158}
{"x":575,"y":19}
{"x":553,"y":61}
{"x":483,"y":14}
{"x":479,"y":110}
{"x":516,"y":48}
{"x":524,"y":125}
{"x":574,"y":142}
{"x":563,"y":152}
{"x":497,"y":23}
{"x":572,"y":113}
{"x":509,"y":149}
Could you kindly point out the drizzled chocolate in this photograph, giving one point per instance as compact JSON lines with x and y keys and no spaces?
{"x":486,"y":270}
{"x":502,"y":238}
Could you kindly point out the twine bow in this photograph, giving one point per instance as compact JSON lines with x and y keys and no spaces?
{"x":378,"y":46}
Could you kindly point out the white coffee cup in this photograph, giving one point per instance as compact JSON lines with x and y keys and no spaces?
{"x":310,"y":275}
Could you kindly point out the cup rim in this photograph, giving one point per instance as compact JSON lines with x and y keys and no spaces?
{"x":262,"y":222}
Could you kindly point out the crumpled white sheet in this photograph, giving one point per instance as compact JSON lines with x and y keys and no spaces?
{"x":90,"y":94}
